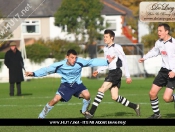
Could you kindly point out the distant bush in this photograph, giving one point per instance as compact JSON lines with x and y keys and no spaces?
{"x":61,"y":52}
{"x":37,"y":53}
{"x":58,"y":48}
{"x":2,"y":56}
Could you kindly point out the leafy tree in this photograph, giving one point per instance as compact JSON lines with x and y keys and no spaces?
{"x":132,"y":21}
{"x":57,"y":47}
{"x":2,"y":55}
{"x":132,"y":5}
{"x":81,"y":18}
{"x":37,"y":53}
{"x":149,"y":39}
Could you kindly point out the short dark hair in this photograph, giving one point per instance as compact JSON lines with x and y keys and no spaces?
{"x":166,"y":27}
{"x":71,"y":51}
{"x":110,"y":32}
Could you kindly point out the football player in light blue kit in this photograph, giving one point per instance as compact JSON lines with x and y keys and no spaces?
{"x":71,"y":83}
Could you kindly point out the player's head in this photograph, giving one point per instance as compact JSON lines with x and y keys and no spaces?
{"x":163,"y":30}
{"x":71,"y":57}
{"x":109,"y":36}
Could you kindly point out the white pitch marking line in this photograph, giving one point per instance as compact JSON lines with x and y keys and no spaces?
{"x":64,"y":103}
{"x":25,"y":97}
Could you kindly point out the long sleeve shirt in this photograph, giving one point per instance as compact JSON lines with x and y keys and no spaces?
{"x":115,"y":50}
{"x":167,"y":52}
{"x":70,"y":73}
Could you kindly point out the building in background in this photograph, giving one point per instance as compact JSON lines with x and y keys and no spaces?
{"x":40,"y":24}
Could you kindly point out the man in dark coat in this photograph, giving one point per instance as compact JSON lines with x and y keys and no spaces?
{"x":14,"y":62}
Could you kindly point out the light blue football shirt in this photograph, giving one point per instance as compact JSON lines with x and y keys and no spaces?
{"x":70,"y":74}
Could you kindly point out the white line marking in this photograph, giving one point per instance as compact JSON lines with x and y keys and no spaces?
{"x":69,"y":104}
{"x":30,"y":97}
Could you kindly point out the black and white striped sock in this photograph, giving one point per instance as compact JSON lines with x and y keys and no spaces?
{"x":126,"y":102}
{"x":155,"y":106}
{"x":173,"y":98}
{"x":96,"y":102}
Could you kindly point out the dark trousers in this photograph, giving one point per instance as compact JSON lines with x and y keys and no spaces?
{"x":18,"y":85}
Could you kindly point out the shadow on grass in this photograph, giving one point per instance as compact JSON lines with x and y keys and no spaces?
{"x":129,"y":115}
{"x":26,"y":94}
{"x":118,"y":114}
{"x":113,"y":115}
{"x":168,"y":115}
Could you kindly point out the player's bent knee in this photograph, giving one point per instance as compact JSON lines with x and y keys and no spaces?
{"x":87,"y":96}
{"x":167,"y":99}
{"x":114,"y":98}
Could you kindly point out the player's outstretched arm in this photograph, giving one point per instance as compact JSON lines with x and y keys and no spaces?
{"x":141,"y":60}
{"x":128,"y":80}
{"x":94,"y":62}
{"x":95,"y":73}
{"x":28,"y":74}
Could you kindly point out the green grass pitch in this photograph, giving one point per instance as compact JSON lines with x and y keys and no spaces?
{"x":37,"y":92}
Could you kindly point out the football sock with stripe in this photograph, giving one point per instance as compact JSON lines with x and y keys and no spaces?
{"x":86,"y":104}
{"x":96,"y":102}
{"x":126,"y":102}
{"x":173,"y":97}
{"x":174,"y":100}
{"x":45,"y":111}
{"x":155,"y":106}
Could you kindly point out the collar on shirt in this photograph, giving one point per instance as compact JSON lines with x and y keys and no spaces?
{"x":170,"y":40}
{"x":112,"y":45}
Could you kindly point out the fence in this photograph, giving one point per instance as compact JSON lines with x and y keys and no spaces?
{"x":136,"y":69}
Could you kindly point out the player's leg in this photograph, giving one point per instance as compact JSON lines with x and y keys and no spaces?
{"x":108,"y":83}
{"x":123,"y":100}
{"x":64,"y":93}
{"x":160,"y":81}
{"x":155,"y":101}
{"x":168,"y":94}
{"x":98,"y":99}
{"x":80,"y":91}
{"x":49,"y":106}
{"x":86,"y":100}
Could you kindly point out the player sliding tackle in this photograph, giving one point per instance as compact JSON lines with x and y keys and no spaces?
{"x":71,"y":83}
